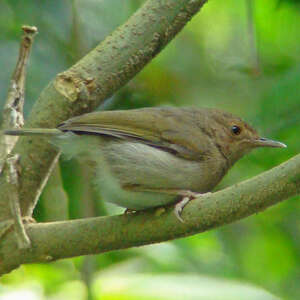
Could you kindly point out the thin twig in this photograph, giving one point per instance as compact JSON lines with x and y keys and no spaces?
{"x":45,"y":179}
{"x":12,"y":179}
{"x":13,"y":108}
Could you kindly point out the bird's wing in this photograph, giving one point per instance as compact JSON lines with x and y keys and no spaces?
{"x":141,"y":125}
{"x":120,"y":124}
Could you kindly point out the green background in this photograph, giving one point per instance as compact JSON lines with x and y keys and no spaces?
{"x":239,"y":55}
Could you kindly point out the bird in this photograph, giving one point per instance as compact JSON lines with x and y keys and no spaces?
{"x":152,"y":157}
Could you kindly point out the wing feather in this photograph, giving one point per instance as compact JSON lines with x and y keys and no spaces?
{"x":141,"y":125}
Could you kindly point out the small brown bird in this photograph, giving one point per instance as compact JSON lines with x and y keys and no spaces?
{"x":156,"y":156}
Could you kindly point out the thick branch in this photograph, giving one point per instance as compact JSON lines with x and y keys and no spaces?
{"x":96,"y":235}
{"x":94,"y":78}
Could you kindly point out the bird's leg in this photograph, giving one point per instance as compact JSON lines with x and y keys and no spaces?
{"x":186,"y":195}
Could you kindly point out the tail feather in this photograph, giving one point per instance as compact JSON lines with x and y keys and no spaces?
{"x":33,"y":131}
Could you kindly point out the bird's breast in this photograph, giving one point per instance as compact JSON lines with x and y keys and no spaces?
{"x":121,"y":164}
{"x":142,"y":165}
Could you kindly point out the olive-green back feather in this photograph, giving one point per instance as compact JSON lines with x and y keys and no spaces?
{"x":154,"y":126}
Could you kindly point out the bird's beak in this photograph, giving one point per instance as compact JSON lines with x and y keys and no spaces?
{"x":263,"y":142}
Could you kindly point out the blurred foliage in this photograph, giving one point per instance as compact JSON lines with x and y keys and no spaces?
{"x":223,"y":58}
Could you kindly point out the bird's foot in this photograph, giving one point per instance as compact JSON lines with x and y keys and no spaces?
{"x":28,"y":220}
{"x":129,"y":211}
{"x":187,"y":196}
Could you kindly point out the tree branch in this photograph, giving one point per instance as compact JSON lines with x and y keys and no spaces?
{"x":51,"y":241}
{"x":13,"y":118}
{"x":90,"y":81}
{"x":13,"y":108}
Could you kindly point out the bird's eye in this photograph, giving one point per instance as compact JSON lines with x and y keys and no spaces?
{"x":236,"y":129}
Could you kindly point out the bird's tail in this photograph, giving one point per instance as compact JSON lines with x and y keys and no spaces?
{"x":33,"y":131}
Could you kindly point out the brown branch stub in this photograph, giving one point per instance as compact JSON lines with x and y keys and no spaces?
{"x":73,"y":87}
{"x":31,"y":31}
{"x":13,"y":108}
{"x":68,"y":86}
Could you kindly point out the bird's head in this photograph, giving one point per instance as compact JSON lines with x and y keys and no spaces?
{"x":235,"y":137}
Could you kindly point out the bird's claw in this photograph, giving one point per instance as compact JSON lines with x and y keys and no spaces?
{"x":180,"y":206}
{"x":129,"y":211}
{"x":28,"y":220}
{"x":187,"y":197}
